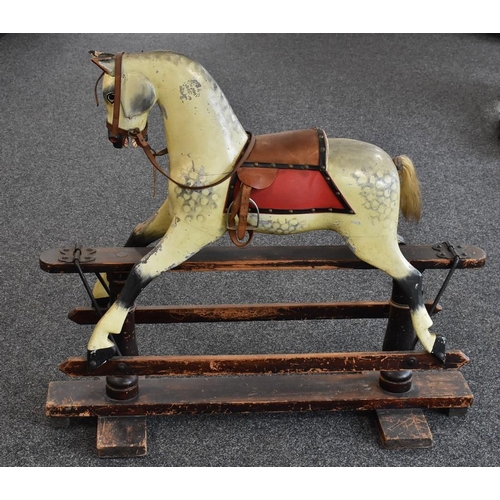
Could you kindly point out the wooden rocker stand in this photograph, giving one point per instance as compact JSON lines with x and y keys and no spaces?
{"x":397,"y":382}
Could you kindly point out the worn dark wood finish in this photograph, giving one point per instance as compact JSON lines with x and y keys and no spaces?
{"x":270,"y":382}
{"x":121,"y":260}
{"x":400,"y":428}
{"x":404,"y":429}
{"x":121,"y":437}
{"x":266,"y":364}
{"x":399,"y":336}
{"x":246,"y":312}
{"x":123,"y":386}
{"x":276,"y":393}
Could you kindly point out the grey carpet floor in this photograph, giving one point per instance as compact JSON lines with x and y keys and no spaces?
{"x":435,"y":98}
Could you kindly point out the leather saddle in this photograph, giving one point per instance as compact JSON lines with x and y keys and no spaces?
{"x":270,"y":153}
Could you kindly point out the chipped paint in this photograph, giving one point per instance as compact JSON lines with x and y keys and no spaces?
{"x":190,"y":90}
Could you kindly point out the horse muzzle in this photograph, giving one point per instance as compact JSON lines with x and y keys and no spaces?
{"x":120,"y":137}
{"x":118,"y":140}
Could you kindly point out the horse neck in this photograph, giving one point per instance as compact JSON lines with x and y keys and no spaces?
{"x":201,"y":128}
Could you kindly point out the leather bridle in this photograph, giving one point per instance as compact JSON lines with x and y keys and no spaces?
{"x":141,"y":136}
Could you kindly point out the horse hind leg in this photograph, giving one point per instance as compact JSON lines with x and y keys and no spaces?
{"x":412,"y":287}
{"x":385,"y":254}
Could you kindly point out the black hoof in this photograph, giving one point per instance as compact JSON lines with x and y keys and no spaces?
{"x":97,"y":358}
{"x":439,"y":348}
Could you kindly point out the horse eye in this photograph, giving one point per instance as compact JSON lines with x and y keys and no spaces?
{"x":110,"y":97}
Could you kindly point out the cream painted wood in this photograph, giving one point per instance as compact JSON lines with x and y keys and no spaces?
{"x":205,"y":138}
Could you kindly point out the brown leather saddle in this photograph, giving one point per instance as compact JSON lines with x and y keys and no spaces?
{"x":298,"y":159}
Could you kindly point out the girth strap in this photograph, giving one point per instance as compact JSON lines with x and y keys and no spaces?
{"x":240,"y":208}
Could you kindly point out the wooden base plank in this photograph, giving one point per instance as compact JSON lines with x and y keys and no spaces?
{"x":121,"y":437}
{"x":273,"y":393}
{"x":403,"y":429}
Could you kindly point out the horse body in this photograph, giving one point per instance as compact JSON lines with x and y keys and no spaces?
{"x":205,"y":140}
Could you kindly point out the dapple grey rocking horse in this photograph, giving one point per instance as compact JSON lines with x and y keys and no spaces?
{"x":222,"y":178}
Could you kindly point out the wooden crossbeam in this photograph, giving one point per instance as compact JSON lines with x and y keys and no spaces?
{"x":246,"y":312}
{"x":266,"y":364}
{"x":121,"y":260}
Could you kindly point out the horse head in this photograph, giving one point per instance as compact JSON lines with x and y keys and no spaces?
{"x":128,"y":96}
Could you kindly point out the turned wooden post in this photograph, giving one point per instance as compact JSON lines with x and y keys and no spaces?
{"x":126,"y":435}
{"x":399,"y":336}
{"x":123,"y":387}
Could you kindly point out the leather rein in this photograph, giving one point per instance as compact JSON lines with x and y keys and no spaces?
{"x":140,"y":136}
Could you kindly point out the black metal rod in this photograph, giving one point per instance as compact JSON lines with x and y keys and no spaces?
{"x":87,"y":287}
{"x":103,"y":283}
{"x":92,"y":298}
{"x":456,"y":260}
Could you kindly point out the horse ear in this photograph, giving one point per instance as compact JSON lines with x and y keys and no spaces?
{"x":104,"y":61}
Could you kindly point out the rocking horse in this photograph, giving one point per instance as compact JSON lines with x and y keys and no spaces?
{"x":222,"y":178}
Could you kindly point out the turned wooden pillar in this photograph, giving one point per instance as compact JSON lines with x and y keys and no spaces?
{"x":399,"y":336}
{"x":124,"y":387}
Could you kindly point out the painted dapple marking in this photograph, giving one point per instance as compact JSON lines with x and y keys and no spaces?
{"x":205,"y":141}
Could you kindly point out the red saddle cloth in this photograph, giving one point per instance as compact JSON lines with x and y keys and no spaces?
{"x":287,"y":173}
{"x":299,"y":191}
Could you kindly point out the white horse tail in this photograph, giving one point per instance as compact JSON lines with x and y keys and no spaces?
{"x":410,"y":200}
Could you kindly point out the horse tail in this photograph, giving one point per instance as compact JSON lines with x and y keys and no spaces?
{"x":410,"y":200}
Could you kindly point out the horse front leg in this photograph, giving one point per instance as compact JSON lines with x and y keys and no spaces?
{"x":100,"y":347}
{"x":152,"y":229}
{"x":180,"y":242}
{"x":143,"y":235}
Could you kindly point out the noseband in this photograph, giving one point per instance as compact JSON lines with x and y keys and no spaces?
{"x":140,"y":136}
{"x":115,"y":131}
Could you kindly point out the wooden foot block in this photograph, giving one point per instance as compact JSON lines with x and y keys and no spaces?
{"x":405,"y":428}
{"x":121,"y":437}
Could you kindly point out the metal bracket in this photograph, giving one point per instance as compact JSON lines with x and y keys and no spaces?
{"x":452,"y":253}
{"x":76,"y":252}
{"x":78,"y":255}
{"x":446,"y":250}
